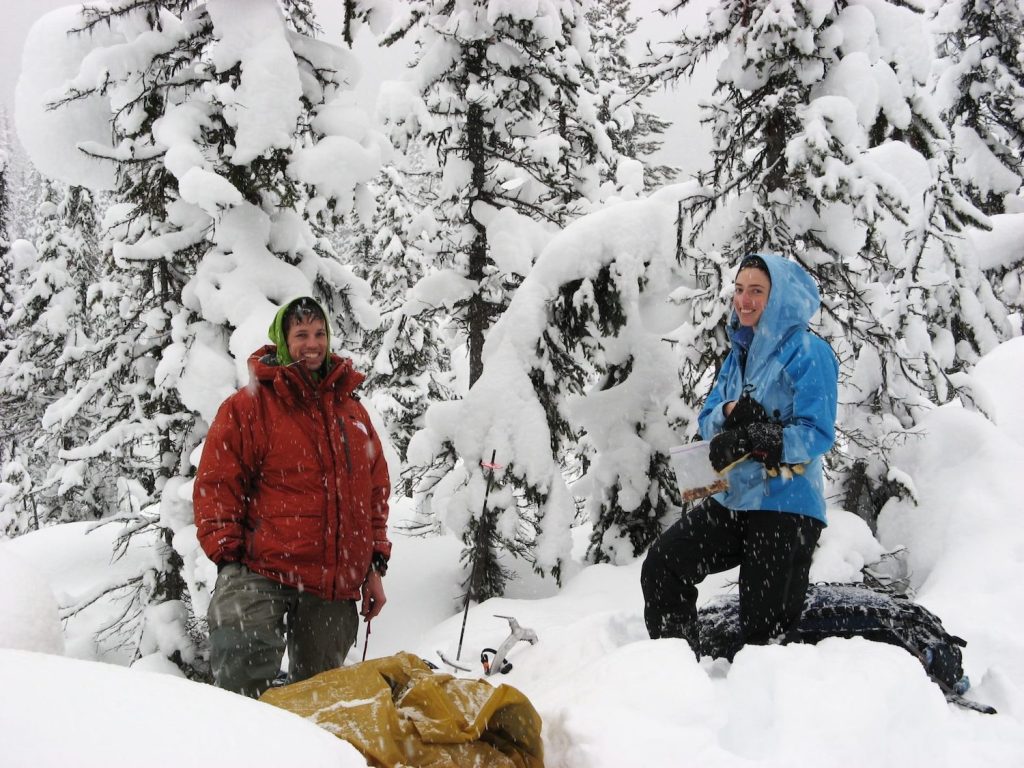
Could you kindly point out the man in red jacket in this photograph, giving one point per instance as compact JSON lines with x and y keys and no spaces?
{"x":291,"y":503}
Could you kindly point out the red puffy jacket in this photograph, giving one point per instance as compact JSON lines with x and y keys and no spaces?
{"x":293,"y":481}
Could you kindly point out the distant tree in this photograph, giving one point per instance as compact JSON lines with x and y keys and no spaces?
{"x":6,"y":287}
{"x":634,"y":130}
{"x":412,"y":364}
{"x":24,"y":186}
{"x":50,"y":327}
{"x":15,"y":482}
{"x":17,"y":501}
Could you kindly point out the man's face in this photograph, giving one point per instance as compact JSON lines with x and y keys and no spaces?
{"x":751,"y":296}
{"x":307,"y":342}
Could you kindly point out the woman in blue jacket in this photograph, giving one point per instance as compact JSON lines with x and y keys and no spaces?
{"x":770,"y":418}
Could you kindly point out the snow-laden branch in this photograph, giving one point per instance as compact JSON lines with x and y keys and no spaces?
{"x":513,"y":410}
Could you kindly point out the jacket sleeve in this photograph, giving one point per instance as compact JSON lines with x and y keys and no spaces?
{"x":712,"y":416}
{"x":380,"y":492}
{"x":220,"y":491}
{"x":814,"y":376}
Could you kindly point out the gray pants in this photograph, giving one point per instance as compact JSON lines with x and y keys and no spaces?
{"x":248,"y":632}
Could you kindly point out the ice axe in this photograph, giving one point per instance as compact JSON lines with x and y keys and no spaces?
{"x":496,"y":663}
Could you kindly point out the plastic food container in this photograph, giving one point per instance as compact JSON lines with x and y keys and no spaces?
{"x":694,"y":473}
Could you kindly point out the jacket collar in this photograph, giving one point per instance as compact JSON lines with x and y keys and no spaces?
{"x":292,"y":381}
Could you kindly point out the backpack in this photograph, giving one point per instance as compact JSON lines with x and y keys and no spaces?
{"x":855,"y":610}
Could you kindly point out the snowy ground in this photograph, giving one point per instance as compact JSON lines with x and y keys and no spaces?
{"x":609,"y":697}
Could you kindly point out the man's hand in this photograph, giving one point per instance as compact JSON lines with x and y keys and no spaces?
{"x":373,"y":595}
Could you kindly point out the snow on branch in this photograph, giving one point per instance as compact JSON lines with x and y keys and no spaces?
{"x":526,"y":409}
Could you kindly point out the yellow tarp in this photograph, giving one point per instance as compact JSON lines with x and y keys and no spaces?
{"x":397,"y":711}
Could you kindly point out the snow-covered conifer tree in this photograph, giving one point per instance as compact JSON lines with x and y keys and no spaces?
{"x":50,"y":329}
{"x":412,"y":365}
{"x":591,"y":167}
{"x":981,"y":92}
{"x":24,"y":185}
{"x":506,"y":94}
{"x":6,"y":290}
{"x":577,"y":403}
{"x":828,"y":148}
{"x":235,"y":142}
{"x":501,"y":94}
{"x":11,"y":493}
{"x":634,"y":130}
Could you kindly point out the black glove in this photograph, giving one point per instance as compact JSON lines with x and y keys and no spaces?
{"x":746,"y":411}
{"x":728,"y":449}
{"x":765,"y":441}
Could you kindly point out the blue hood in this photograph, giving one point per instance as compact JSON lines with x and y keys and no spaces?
{"x":793,"y":301}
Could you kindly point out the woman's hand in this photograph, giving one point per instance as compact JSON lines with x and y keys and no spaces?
{"x":744,"y":412}
{"x":727,"y":407}
{"x":728,"y":449}
{"x":373,"y":595}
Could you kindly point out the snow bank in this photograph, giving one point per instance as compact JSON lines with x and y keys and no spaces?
{"x":70,"y":712}
{"x":29,"y":609}
{"x":964,"y":534}
{"x":76,"y":562}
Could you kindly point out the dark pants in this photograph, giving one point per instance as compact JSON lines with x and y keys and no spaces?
{"x":248,"y":635}
{"x":772,"y":549}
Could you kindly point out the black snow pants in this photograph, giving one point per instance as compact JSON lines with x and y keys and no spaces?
{"x":772,"y":549}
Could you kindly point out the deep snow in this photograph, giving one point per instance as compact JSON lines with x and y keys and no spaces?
{"x":609,"y":697}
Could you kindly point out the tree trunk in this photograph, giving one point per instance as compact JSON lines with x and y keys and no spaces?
{"x":478,"y":317}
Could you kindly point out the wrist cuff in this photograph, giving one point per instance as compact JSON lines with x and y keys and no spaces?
{"x":379,"y":563}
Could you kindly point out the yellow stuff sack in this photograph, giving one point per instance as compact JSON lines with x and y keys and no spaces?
{"x":398,"y":711}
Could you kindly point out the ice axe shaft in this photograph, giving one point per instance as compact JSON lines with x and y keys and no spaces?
{"x":366,"y":640}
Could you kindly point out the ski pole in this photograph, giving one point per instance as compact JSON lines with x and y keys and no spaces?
{"x":472,"y":569}
{"x":366,"y":640}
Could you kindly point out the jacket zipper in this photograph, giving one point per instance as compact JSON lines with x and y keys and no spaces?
{"x":333,"y":586}
{"x":344,"y":444}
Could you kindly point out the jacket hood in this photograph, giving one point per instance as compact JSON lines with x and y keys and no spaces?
{"x":793,"y":300}
{"x":277,"y":334}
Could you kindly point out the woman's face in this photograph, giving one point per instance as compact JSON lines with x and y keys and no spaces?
{"x":751,"y":296}
{"x":307,"y":342}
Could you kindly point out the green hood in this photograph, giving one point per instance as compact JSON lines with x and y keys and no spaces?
{"x":277,"y":335}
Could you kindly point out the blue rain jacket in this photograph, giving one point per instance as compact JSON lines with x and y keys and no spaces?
{"x":794,"y":374}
